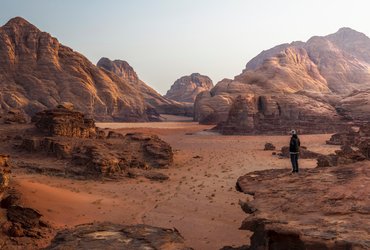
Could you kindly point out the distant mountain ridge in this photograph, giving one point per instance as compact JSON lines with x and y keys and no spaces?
{"x":37,"y":72}
{"x":155,"y":102}
{"x":186,"y":88}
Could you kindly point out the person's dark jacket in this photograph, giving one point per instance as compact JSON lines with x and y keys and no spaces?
{"x":294,"y":144}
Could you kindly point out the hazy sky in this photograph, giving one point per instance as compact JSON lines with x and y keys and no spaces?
{"x":166,"y":39}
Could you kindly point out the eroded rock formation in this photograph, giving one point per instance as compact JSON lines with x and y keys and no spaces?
{"x":65,"y":122}
{"x":312,"y":87}
{"x":156,"y":103}
{"x":186,"y":88}
{"x":321,"y":208}
{"x":37,"y":73}
{"x":279,"y":114}
{"x":355,"y":146}
{"x":88,"y":151}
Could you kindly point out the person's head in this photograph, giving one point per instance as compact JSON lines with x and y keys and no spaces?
{"x":293,"y":133}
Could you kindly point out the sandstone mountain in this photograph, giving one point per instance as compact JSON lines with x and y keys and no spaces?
{"x":37,"y":72}
{"x":155,"y":102}
{"x":187,"y":88}
{"x":299,"y":85}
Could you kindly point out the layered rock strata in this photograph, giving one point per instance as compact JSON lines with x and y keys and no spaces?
{"x":278,"y":115}
{"x":323,"y":208}
{"x":312,"y":87}
{"x":156,"y":103}
{"x":37,"y":73}
{"x":88,"y":151}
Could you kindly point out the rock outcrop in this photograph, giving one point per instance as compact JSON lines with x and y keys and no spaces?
{"x":13,"y":116}
{"x":355,"y":146}
{"x":89,"y":152}
{"x":186,"y":88}
{"x":37,"y":73}
{"x":64,"y":122}
{"x":120,"y":68}
{"x":323,"y":208}
{"x":346,"y":155}
{"x":311,"y":86}
{"x":304,"y":153}
{"x":4,"y":174}
{"x":156,"y":103}
{"x":113,"y":236}
{"x":16,"y":221}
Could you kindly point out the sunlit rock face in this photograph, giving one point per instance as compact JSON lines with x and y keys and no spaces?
{"x":301,"y":85}
{"x":37,"y":72}
{"x":155,"y":102}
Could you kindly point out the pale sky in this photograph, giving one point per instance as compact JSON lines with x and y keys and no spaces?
{"x":166,"y":39}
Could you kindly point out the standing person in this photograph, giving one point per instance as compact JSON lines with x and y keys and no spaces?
{"x":294,"y":150}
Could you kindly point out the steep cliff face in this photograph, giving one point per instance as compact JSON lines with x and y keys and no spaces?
{"x":187,"y":88}
{"x":279,"y":114}
{"x":156,"y":103}
{"x":37,"y":72}
{"x":324,"y":78}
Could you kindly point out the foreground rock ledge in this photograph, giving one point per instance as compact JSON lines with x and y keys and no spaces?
{"x":326,"y":208}
{"x":113,"y":236}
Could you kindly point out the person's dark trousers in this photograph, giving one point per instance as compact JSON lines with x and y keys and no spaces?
{"x":294,"y":160}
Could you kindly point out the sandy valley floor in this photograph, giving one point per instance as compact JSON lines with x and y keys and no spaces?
{"x":199,"y":200}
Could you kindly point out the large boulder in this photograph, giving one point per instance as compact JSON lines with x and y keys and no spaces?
{"x":114,"y":236}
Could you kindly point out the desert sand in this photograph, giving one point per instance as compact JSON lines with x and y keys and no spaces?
{"x":199,"y":199}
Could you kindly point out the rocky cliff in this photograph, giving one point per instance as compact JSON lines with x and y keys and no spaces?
{"x":187,"y":88}
{"x":37,"y":72}
{"x":156,"y":103}
{"x":299,"y":85}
